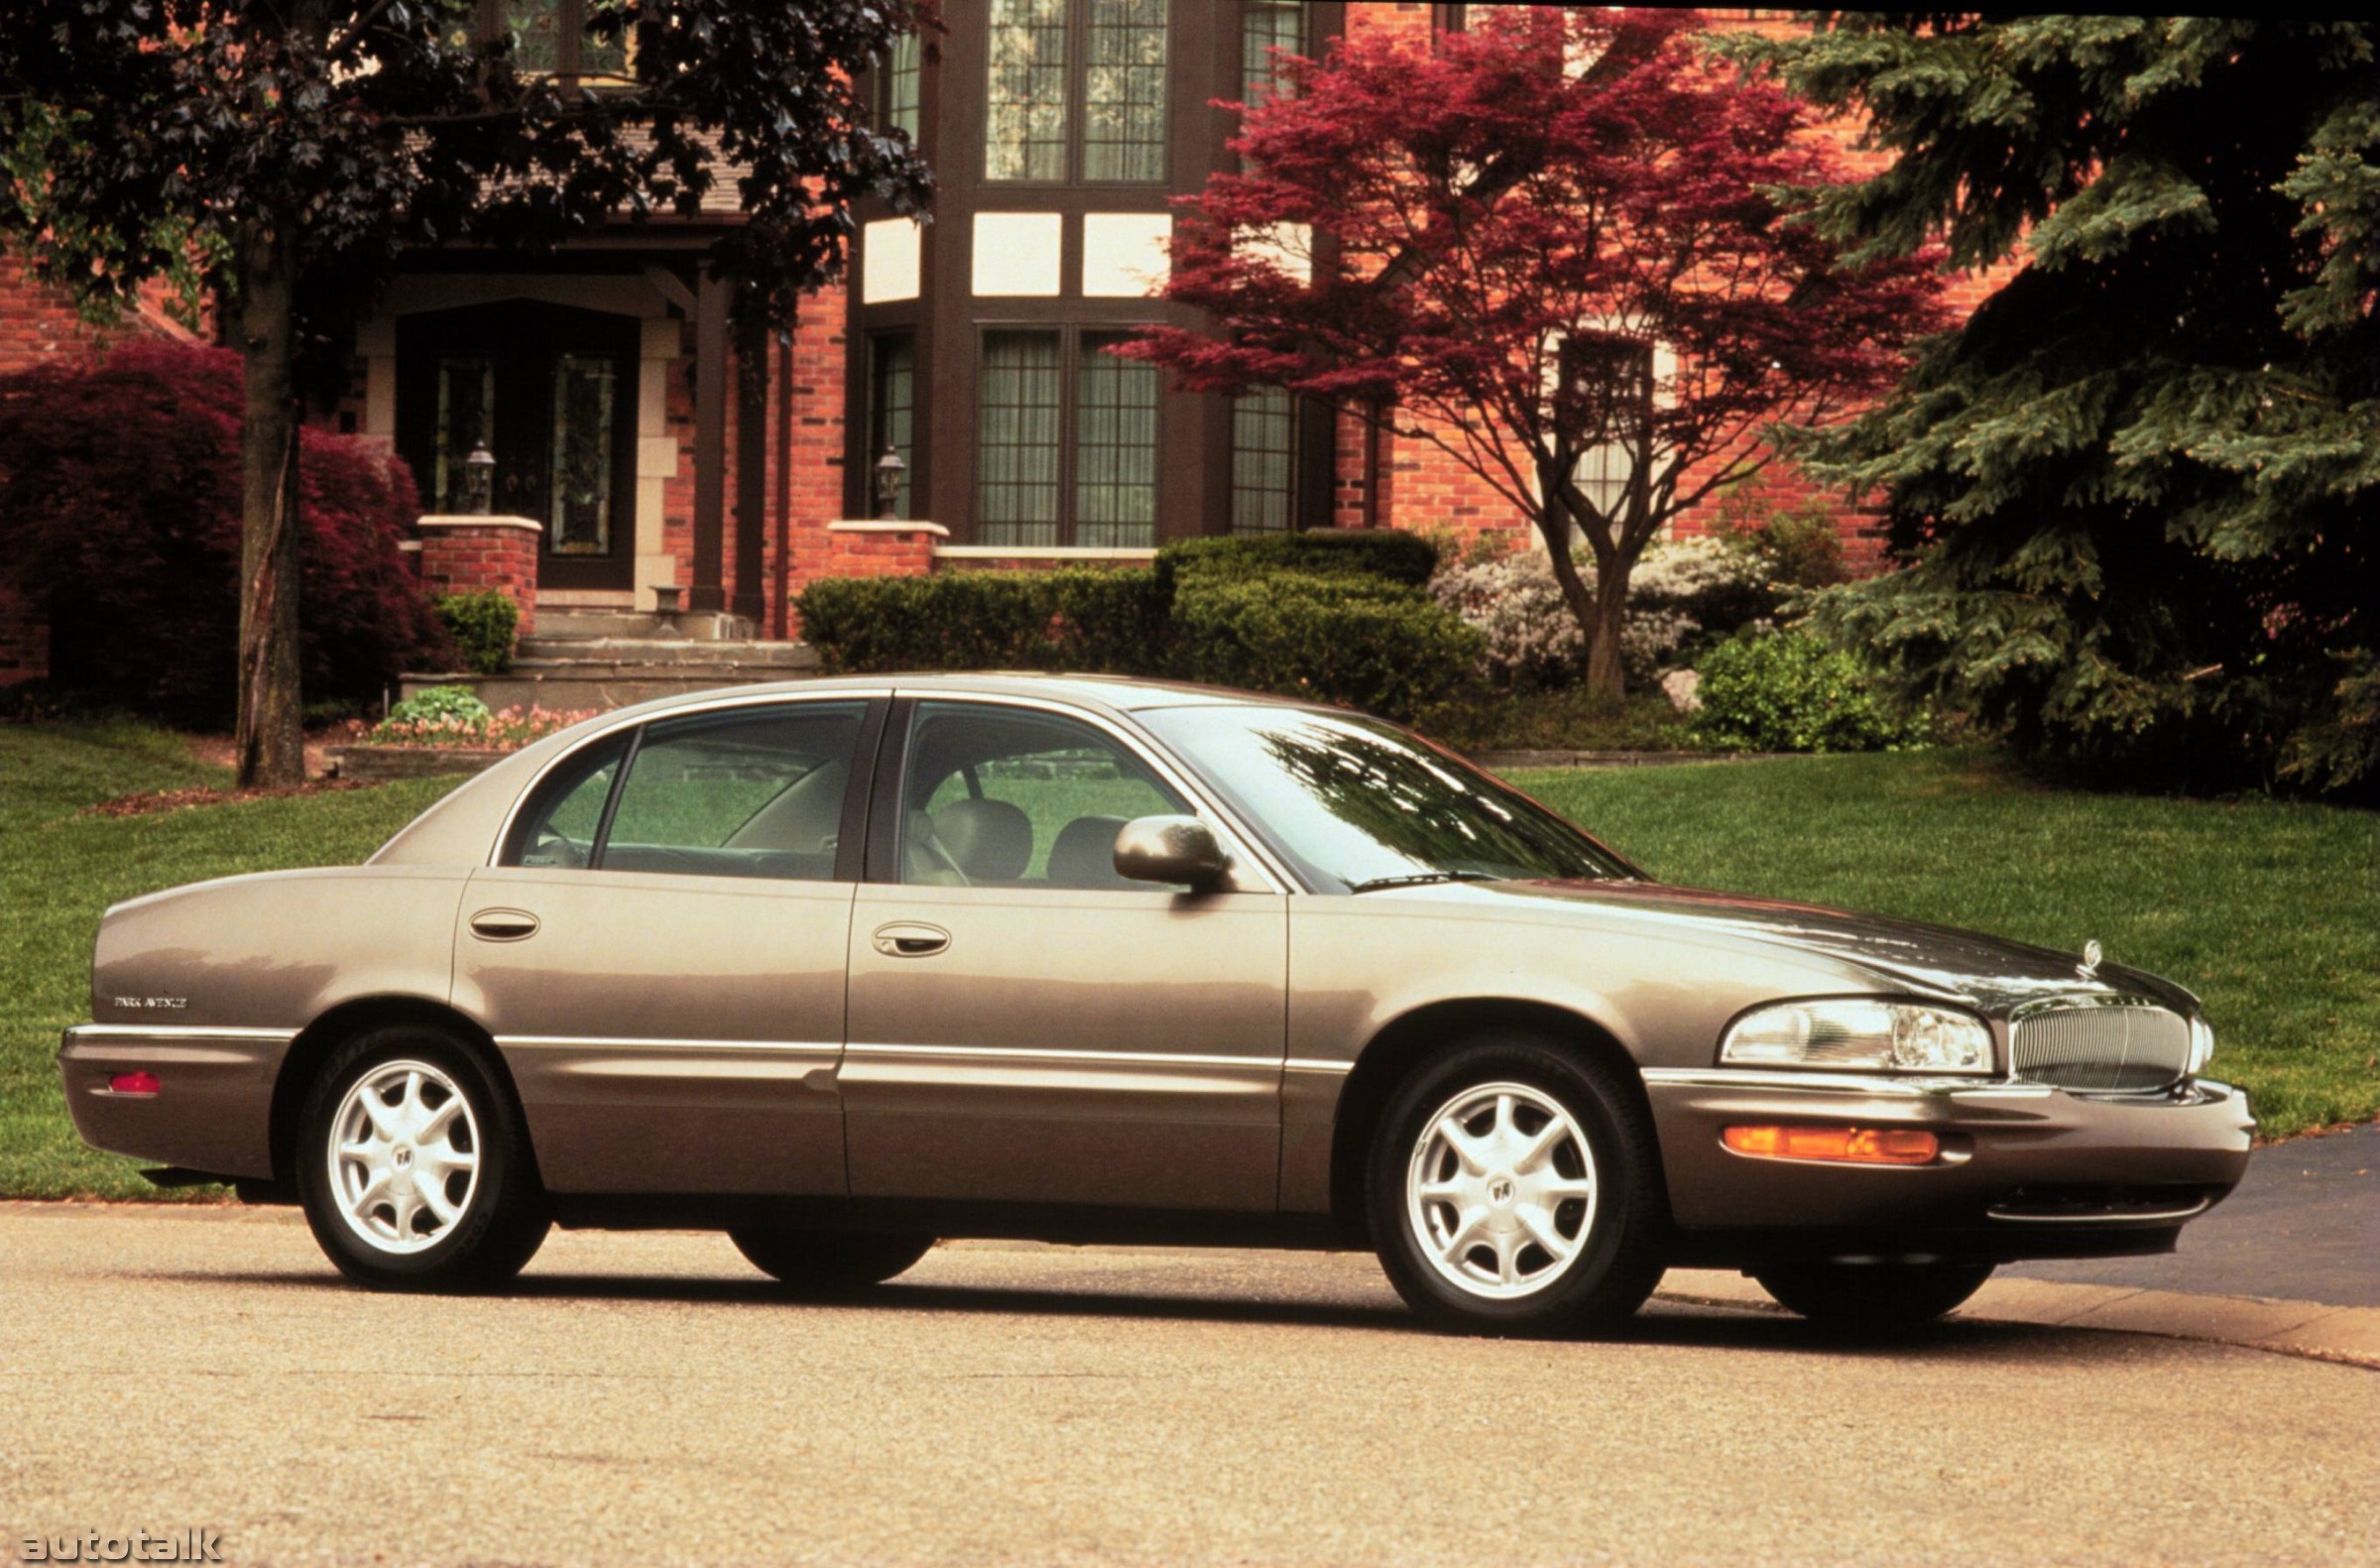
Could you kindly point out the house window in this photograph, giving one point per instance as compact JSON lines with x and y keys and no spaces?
{"x":1267,"y":26}
{"x":1263,"y":462}
{"x":586,"y":388}
{"x":898,"y":83}
{"x":550,"y":38}
{"x":1037,"y":108}
{"x":1611,"y":379}
{"x":1016,"y":439}
{"x":891,"y":405}
{"x":1024,"y":98}
{"x":1066,"y":442}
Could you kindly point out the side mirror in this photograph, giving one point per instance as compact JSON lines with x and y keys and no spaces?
{"x":1178,"y":849}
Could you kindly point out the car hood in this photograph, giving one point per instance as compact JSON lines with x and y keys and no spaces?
{"x":1985,"y":971}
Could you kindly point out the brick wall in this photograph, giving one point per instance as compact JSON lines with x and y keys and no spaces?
{"x":476,"y":554}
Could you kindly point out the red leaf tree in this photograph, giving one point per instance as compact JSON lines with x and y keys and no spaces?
{"x":1556,"y":240}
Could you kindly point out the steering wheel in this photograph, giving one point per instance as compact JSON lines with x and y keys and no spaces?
{"x":556,"y":849}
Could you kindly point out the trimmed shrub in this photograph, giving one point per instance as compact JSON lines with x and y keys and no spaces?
{"x":1110,"y":621}
{"x":482,"y":626}
{"x":1792,"y":691}
{"x":1082,"y":618}
{"x":1390,"y":554}
{"x":120,"y":515}
{"x":1365,"y":643}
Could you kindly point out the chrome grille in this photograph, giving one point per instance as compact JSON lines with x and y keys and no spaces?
{"x":2111,"y":1045}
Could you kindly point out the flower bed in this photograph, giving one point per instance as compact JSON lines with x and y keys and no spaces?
{"x":505,"y":730}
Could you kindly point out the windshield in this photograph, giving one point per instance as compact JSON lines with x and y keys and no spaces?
{"x":1366,"y":806}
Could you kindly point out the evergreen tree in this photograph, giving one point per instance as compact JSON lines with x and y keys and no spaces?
{"x":2135,"y":492}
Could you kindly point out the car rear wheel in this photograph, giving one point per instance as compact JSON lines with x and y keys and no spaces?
{"x":1514,"y":1188}
{"x":1875,"y":1298}
{"x":413,"y":1165}
{"x":828,"y":1262}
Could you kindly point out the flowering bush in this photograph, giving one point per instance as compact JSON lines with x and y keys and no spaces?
{"x":1682,"y":593}
{"x":453,"y":716}
{"x":120,"y":515}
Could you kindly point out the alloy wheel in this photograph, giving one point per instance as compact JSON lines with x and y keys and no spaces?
{"x":403,"y":1156}
{"x":1501,"y":1191}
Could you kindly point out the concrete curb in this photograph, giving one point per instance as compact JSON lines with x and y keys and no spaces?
{"x":2350,"y":1335}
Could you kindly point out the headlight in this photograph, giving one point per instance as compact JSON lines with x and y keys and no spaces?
{"x":1901,"y":1037}
{"x":2202,"y":1047}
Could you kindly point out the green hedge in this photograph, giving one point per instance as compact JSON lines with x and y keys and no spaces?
{"x":1084,"y":618}
{"x":482,"y":625}
{"x":1368,"y":643}
{"x":1385,"y":553}
{"x":1300,"y":614}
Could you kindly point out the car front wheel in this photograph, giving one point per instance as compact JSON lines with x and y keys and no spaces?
{"x":414,"y":1166}
{"x":828,"y":1262}
{"x":1874,"y":1298}
{"x":1514,"y":1189}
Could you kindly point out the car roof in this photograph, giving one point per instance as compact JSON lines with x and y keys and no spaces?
{"x":1122,"y":694}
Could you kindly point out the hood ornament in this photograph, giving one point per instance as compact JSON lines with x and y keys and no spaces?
{"x":2089,"y":969}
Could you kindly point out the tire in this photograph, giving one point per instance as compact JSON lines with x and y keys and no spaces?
{"x":828,"y":1262}
{"x":490,"y":1214}
{"x":1873,"y":1298}
{"x":1578,"y":1260}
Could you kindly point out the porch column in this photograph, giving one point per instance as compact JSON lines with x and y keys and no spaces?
{"x":706,"y":594}
{"x":752,"y":468}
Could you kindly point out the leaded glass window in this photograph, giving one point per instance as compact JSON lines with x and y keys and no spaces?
{"x":892,"y":408}
{"x":1018,"y":445}
{"x":901,"y":76}
{"x":1264,"y":462}
{"x":580,"y":485}
{"x":1115,"y":447}
{"x":1024,"y":93}
{"x":1267,"y":26}
{"x":466,"y":419}
{"x":1123,"y":90}
{"x":1611,"y":380}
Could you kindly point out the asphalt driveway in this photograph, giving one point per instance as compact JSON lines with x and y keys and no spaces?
{"x":647,"y":1399}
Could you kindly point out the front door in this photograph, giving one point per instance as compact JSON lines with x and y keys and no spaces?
{"x":659,"y":953}
{"x":1028,"y":1027}
{"x":551,"y":392}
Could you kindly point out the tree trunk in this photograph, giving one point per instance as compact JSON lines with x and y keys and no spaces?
{"x":269,"y":743}
{"x":1607,"y":682}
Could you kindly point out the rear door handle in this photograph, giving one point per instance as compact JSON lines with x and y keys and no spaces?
{"x":910,"y":939}
{"x":503,"y":925}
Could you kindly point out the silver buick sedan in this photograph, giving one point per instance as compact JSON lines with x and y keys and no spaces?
{"x":845,"y":966}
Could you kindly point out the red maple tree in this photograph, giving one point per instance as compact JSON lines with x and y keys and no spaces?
{"x":1555,"y":241}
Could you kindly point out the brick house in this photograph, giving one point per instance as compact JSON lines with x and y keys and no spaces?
{"x":641,"y":463}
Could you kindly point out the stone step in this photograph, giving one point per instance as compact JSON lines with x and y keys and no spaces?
{"x":542,"y":649}
{"x":561,"y":624}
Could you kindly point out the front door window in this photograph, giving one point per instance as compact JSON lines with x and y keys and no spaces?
{"x":466,"y":419}
{"x":580,"y":492}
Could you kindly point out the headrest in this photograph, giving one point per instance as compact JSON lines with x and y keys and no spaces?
{"x":1084,"y":853}
{"x":991,"y":840}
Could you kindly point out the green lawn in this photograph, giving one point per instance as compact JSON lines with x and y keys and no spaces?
{"x":59,"y":871}
{"x":2269,"y":911}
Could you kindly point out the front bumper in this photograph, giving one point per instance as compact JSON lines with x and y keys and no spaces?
{"x":2026,"y":1170}
{"x":213,"y":1110}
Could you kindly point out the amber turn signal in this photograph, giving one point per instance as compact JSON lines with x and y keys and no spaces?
{"x":1856,"y":1145}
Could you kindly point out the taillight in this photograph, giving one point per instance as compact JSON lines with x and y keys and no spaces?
{"x":141,"y":1083}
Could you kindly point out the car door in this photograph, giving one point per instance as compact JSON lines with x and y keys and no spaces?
{"x":660,"y":952}
{"x":1028,"y":1027}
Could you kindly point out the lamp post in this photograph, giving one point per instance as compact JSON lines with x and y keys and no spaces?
{"x":479,"y":480}
{"x":884,"y":480}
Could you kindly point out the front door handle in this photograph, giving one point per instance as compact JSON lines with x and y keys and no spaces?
{"x":910,"y":939}
{"x":503,"y":925}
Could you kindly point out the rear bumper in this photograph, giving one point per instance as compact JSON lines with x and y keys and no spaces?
{"x":213,"y":1110}
{"x":2026,"y":1170}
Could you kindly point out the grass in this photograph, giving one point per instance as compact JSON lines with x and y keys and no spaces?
{"x":59,"y":871}
{"x":2270,"y":910}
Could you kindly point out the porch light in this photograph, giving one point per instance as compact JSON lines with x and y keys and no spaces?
{"x":886,"y":480}
{"x":479,"y":480}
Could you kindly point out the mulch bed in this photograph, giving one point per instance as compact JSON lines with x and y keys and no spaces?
{"x":180,"y":799}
